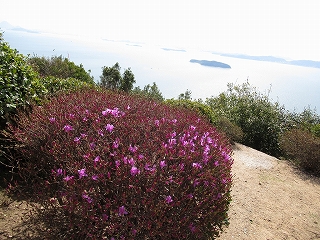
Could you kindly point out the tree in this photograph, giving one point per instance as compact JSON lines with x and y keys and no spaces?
{"x":111,"y":78}
{"x":185,"y":96}
{"x":127,"y":80}
{"x":150,"y":91}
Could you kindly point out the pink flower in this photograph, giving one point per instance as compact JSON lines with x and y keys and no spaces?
{"x":122,"y":211}
{"x":97,"y":159}
{"x":76,"y":139}
{"x":192,"y":127}
{"x":68,"y":128}
{"x":163,"y":164}
{"x":169,"y":199}
{"x":86,"y":197}
{"x":157,"y":123}
{"x":59,"y":172}
{"x":131,"y":161}
{"x":68,"y":178}
{"x":109,"y":127}
{"x":133,"y":149}
{"x":134,"y":171}
{"x":52,"y":120}
{"x":115,"y":144}
{"x":82,"y":173}
{"x":95,"y":177}
{"x":196,"y":165}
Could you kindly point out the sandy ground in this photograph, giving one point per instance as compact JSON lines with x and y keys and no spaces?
{"x":271,"y":200}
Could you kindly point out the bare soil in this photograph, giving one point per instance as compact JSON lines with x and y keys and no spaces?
{"x":271,"y":199}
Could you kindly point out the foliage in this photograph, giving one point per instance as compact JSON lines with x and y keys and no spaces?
{"x":109,"y":165}
{"x":111,"y":78}
{"x":233,"y":132}
{"x":185,"y":96}
{"x":18,"y":82}
{"x":261,"y":121}
{"x":59,"y":67}
{"x":304,"y":148}
{"x":149,"y":92}
{"x":56,"y":85}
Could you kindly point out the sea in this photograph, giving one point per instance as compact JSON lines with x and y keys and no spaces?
{"x":294,"y":87}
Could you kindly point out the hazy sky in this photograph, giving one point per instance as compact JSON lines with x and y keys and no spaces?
{"x":268,"y":27}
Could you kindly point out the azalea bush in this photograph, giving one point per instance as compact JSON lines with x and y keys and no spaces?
{"x":102,"y":165}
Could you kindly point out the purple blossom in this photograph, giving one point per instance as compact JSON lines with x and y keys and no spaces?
{"x":68,"y":128}
{"x":76,"y":139}
{"x":71,"y":116}
{"x":216,"y":163}
{"x":95,"y":177}
{"x":196,"y":165}
{"x":86,"y":197}
{"x":100,"y":132}
{"x":133,"y":149}
{"x":115,"y":144}
{"x":172,"y":141}
{"x":192,"y":127}
{"x":163,"y":164}
{"x":82,"y":173}
{"x":122,"y":211}
{"x":97,"y":159}
{"x":83,"y":135}
{"x":134,"y":171}
{"x":131,"y":161}
{"x":92,"y":145}
{"x":68,"y":178}
{"x":52,"y":120}
{"x":168,"y":199}
{"x":59,"y":172}
{"x":109,"y":127}
{"x":117,"y":163}
{"x":157,"y":123}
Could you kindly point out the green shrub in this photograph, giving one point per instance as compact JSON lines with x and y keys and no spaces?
{"x":261,"y":121}
{"x":196,"y":106}
{"x":16,"y":82}
{"x":303,"y":148}
{"x":233,"y":132}
{"x":56,"y":85}
{"x":113,"y":166}
{"x":59,"y":67}
{"x":315,"y":129}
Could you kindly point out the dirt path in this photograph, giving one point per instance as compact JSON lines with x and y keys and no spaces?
{"x":271,"y":200}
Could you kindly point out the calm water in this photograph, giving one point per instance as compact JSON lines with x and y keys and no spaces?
{"x":293,"y":86}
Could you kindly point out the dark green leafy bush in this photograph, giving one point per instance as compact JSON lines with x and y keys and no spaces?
{"x":107,"y":165}
{"x":18,"y":82}
{"x":303,"y":148}
{"x":261,"y":121}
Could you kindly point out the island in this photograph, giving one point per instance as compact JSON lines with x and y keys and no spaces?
{"x":210,"y":63}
